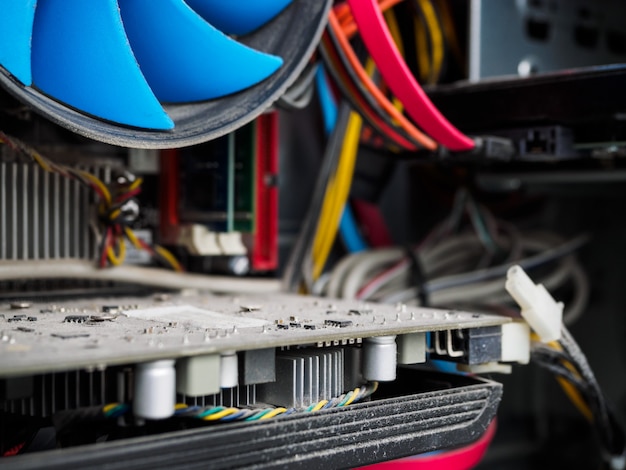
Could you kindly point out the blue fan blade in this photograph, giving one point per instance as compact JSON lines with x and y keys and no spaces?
{"x":81,"y":57}
{"x":186,"y":59}
{"x":15,"y":36}
{"x":238,"y":16}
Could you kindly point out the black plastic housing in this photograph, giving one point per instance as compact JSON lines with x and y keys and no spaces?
{"x":454,"y":410}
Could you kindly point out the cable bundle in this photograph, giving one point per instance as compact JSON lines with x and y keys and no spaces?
{"x":383,"y":41}
{"x":566,"y":361}
{"x":461,"y":267}
{"x":225,"y":414}
{"x":359,"y":84}
{"x":228,"y":414}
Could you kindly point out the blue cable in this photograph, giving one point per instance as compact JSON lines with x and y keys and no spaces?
{"x":348,"y":228}
{"x":327,"y":100}
{"x":349,"y":231}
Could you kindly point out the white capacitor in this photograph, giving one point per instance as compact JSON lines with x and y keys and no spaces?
{"x":380,"y":358}
{"x":229,"y":370}
{"x":155,"y":389}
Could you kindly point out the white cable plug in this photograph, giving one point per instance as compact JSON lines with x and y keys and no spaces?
{"x":539,"y":309}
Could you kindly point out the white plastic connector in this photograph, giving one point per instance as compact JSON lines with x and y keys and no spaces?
{"x":516,"y":342}
{"x":539,"y":309}
{"x":199,"y":240}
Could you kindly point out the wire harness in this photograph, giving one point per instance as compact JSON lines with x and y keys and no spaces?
{"x":563,"y":357}
{"x":112,"y":208}
{"x":223,"y":414}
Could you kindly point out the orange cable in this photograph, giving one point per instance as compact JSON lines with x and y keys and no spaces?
{"x":347,"y":22}
{"x":382,"y":100}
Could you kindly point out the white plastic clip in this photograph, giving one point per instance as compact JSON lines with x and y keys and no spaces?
{"x":539,"y":309}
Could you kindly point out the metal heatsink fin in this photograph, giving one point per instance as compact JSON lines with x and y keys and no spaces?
{"x":304,"y":377}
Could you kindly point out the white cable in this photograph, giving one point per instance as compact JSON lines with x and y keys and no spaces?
{"x":576,"y":307}
{"x":362,"y":271}
{"x":152,"y":277}
{"x":339,"y":274}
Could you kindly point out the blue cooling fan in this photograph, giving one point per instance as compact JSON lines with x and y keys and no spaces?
{"x":155,"y":73}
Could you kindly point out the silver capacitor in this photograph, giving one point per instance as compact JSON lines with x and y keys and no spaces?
{"x":380,"y":358}
{"x":155,"y":389}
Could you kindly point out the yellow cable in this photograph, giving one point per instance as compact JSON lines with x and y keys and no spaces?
{"x":394,"y":29}
{"x":421,"y":46}
{"x":41,"y":161}
{"x":133,"y":238}
{"x":109,"y":407}
{"x":115,"y":214}
{"x":576,"y":398}
{"x":320,"y":405}
{"x":117,"y":260}
{"x":180,"y":406}
{"x":169,"y":257}
{"x":327,"y":229}
{"x":273,"y":413}
{"x":353,"y":397}
{"x":221,"y":414}
{"x":166,"y":254}
{"x":135,"y":184}
{"x":96,"y":181}
{"x":568,"y":388}
{"x":336,"y":196}
{"x":436,"y":39}
{"x":449,"y":30}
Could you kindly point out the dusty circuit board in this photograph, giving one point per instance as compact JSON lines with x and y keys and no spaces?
{"x":95,"y":333}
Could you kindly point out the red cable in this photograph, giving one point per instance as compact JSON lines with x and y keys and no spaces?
{"x":126,"y":196}
{"x":375,"y":227}
{"x":108,"y":239}
{"x":399,"y":78}
{"x":464,"y":458}
{"x":14,"y":450}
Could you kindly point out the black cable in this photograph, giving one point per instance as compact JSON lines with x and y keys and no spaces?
{"x":611,"y":427}
{"x":365,"y":112}
{"x":528,"y":263}
{"x":605,"y":420}
{"x":418,"y":276}
{"x":293,"y":270}
{"x":562,"y":371}
{"x":362,"y":91}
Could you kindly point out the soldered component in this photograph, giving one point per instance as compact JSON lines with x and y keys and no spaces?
{"x":20,"y":305}
{"x":338,"y":323}
{"x":380,"y":358}
{"x":155,"y":389}
{"x":76,"y":318}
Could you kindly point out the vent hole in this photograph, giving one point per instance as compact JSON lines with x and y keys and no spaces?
{"x":538,"y":29}
{"x":616,"y":42}
{"x":586,"y":37}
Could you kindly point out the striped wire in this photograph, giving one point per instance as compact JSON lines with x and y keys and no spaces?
{"x":224,"y":414}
